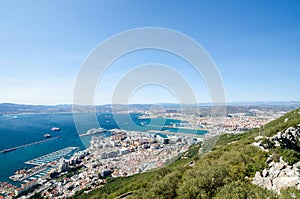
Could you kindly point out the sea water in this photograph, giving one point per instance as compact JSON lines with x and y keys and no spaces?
{"x":20,"y":129}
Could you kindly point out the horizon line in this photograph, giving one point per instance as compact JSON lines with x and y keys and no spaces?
{"x":171,"y":103}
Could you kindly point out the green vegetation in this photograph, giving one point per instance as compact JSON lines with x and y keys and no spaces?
{"x":224,"y":172}
{"x":290,"y":193}
{"x":293,"y":119}
{"x":70,"y":173}
{"x":290,"y":156}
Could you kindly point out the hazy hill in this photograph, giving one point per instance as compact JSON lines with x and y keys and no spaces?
{"x":8,"y":108}
{"x":205,"y":109}
{"x":226,"y":171}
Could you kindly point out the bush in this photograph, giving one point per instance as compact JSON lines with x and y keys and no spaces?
{"x":290,"y":156}
{"x":203,"y":180}
{"x":290,"y":193}
{"x":240,"y":189}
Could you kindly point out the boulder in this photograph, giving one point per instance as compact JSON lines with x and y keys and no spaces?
{"x":278,"y":176}
{"x":265,"y":173}
{"x":290,"y":129}
{"x":282,"y":161}
{"x":269,"y":159}
{"x":284,"y":182}
{"x":286,"y":119}
{"x":268,"y":183}
{"x":296,"y":165}
{"x":287,"y":139}
{"x":279,"y":166}
{"x":257,"y":175}
{"x":258,"y":137}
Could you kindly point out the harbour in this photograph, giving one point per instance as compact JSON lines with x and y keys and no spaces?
{"x":41,"y":165}
{"x":26,"y":145}
{"x":16,"y":132}
{"x":52,"y":156}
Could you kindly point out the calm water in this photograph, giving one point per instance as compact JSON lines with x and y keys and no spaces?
{"x":19,"y":129}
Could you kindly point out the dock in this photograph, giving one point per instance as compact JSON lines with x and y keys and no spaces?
{"x":177,"y":133}
{"x":26,"y":145}
{"x":45,"y":159}
{"x":42,"y":166}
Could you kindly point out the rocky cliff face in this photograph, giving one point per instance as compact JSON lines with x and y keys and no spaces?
{"x":279,"y":175}
{"x":288,"y":139}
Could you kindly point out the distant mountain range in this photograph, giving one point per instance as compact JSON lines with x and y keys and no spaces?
{"x":22,"y":108}
{"x":10,"y":108}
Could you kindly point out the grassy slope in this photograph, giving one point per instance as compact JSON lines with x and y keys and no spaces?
{"x":224,"y":172}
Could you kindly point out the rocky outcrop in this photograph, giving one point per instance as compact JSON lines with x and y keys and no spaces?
{"x":288,"y":139}
{"x":261,"y":145}
{"x":278,"y":175}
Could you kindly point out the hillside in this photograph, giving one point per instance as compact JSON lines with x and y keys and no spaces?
{"x":226,"y":171}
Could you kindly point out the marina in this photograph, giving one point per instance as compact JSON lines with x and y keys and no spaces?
{"x":41,"y":165}
{"x":52,"y":156}
{"x":22,"y":177}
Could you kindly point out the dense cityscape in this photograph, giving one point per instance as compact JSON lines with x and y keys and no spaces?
{"x":116,"y":152}
{"x":123,"y":153}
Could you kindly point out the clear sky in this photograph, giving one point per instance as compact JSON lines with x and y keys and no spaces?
{"x":255,"y":45}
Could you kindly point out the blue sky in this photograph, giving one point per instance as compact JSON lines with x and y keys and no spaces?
{"x":255,"y":45}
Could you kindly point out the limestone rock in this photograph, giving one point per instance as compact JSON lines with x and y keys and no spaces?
{"x":286,"y":119}
{"x":269,"y":159}
{"x":287,"y":139}
{"x":284,"y":182}
{"x":258,"y":137}
{"x":279,"y":166}
{"x":265,"y":173}
{"x":278,"y":176}
{"x":257,"y":175}
{"x":296,"y":165}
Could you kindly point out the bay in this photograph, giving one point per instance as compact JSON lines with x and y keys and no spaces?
{"x":20,"y":129}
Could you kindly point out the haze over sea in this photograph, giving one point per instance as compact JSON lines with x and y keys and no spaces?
{"x":20,"y":129}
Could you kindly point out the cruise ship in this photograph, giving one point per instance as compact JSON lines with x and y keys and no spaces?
{"x":146,"y":116}
{"x":94,"y":131}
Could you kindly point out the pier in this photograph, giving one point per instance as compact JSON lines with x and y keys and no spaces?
{"x":177,"y":133}
{"x":45,"y":159}
{"x":32,"y":172}
{"x":26,"y":145}
{"x":42,"y":165}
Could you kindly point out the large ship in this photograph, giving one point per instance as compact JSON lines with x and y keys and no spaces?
{"x":94,"y":131}
{"x":8,"y":150}
{"x":146,"y":116}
